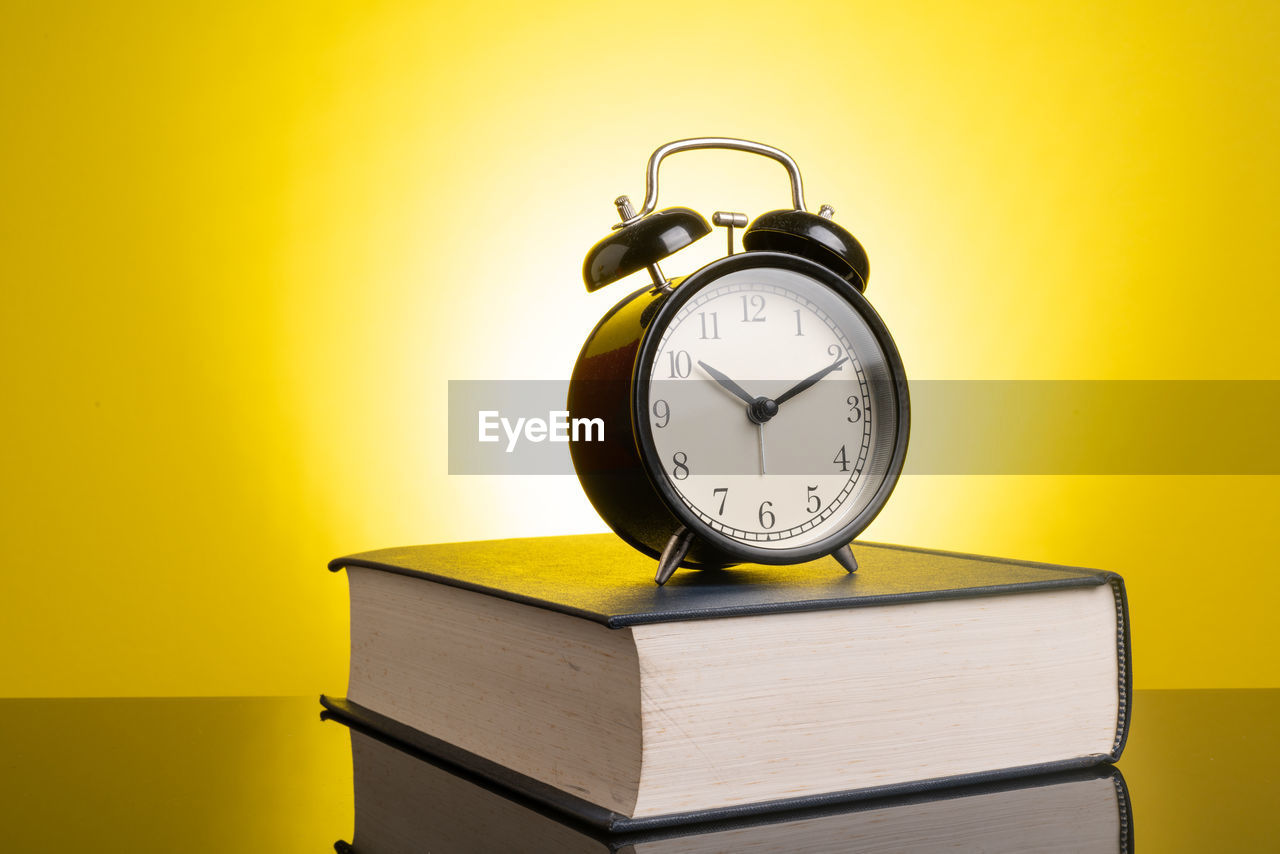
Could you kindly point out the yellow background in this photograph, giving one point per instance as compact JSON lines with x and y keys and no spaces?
{"x":245,"y":246}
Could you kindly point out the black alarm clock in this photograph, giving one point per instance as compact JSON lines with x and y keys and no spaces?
{"x":754,"y":410}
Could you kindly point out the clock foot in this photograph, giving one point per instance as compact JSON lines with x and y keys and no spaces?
{"x":844,"y":556}
{"x":677,"y":548}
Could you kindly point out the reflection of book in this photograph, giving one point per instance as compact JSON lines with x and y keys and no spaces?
{"x":555,"y":665}
{"x":404,"y":803}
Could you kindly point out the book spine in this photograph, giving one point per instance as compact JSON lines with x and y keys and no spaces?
{"x":1124,"y":667}
{"x":1126,"y":813}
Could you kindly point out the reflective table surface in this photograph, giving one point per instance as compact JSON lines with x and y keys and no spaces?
{"x":266,"y":774}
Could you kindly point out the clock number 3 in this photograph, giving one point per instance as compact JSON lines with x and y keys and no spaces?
{"x":853,"y":408}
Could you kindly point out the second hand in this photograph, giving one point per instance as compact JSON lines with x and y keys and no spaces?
{"x":761,"y":435}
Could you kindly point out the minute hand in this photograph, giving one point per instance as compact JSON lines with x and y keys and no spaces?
{"x":809,"y":380}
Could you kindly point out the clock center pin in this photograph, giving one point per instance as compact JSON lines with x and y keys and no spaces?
{"x":762,"y":409}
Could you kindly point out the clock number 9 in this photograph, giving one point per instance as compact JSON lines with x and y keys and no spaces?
{"x":766,"y":517}
{"x":681,"y":468}
{"x":853,"y":407}
{"x":662,"y":410}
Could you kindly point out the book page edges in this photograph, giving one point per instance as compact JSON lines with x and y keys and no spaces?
{"x":559,"y":696}
{"x":542,"y":796}
{"x":980,"y":676}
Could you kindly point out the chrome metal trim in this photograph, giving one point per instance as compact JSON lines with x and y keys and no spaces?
{"x":651,"y":173}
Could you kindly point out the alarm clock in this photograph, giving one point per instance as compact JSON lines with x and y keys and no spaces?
{"x":755,"y":410}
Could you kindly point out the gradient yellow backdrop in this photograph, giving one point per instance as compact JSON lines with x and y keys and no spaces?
{"x":246,"y":245}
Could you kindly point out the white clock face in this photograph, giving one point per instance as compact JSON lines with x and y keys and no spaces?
{"x":771,"y":408}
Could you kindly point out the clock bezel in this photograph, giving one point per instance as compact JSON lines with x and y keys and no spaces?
{"x":643,"y":431}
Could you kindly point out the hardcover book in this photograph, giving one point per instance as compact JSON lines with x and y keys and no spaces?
{"x":408,"y":802}
{"x":556,"y":668}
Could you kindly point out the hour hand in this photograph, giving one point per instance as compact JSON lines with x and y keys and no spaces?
{"x":735,"y":389}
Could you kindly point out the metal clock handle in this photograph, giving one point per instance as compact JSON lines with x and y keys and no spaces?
{"x":651,"y":174}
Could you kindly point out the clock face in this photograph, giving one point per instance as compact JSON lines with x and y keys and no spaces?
{"x":772,"y":411}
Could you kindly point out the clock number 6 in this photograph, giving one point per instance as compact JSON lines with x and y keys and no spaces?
{"x":681,"y":469}
{"x":766,"y":517}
